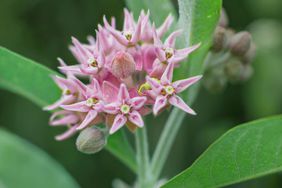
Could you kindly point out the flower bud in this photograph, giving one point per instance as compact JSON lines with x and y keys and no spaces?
{"x":223,"y":20}
{"x":246,"y":73}
{"x":215,"y":80}
{"x":219,"y":39}
{"x":91,"y":140}
{"x":233,"y":69}
{"x":123,"y":65}
{"x":250,"y":55}
{"x":240,"y":43}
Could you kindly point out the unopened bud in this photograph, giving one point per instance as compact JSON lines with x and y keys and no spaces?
{"x":223,"y":20}
{"x":247,"y":72}
{"x":233,"y":69}
{"x":240,"y":43}
{"x":215,"y":80}
{"x":250,"y":55}
{"x":123,"y":65}
{"x":219,"y":39}
{"x":91,"y":140}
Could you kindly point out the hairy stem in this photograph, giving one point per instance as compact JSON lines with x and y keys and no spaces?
{"x":165,"y":142}
{"x":142,"y":158}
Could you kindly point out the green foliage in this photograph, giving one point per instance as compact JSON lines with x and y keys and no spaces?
{"x":23,"y":165}
{"x":197,"y":19}
{"x":245,"y":152}
{"x":31,"y":80}
{"x":159,"y":9}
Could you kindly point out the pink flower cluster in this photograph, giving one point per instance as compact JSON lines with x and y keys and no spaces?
{"x":130,"y":75}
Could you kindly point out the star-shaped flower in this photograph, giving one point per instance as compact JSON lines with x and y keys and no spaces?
{"x":125,"y":108}
{"x":165,"y":92}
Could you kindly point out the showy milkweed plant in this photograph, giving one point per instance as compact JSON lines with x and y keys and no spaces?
{"x":154,"y":64}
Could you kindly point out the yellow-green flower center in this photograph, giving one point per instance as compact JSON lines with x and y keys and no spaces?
{"x":127,"y":35}
{"x":125,"y":109}
{"x":92,"y":62}
{"x":169,"y":90}
{"x":168,"y":52}
{"x":91,"y":102}
{"x":67,"y":92}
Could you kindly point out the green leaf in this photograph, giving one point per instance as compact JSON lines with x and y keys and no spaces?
{"x":23,"y":165}
{"x":197,"y":19}
{"x":159,"y":9}
{"x":245,"y":152}
{"x":32,"y":80}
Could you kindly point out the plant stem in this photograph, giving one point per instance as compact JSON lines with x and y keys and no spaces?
{"x":142,"y":158}
{"x":166,"y":140}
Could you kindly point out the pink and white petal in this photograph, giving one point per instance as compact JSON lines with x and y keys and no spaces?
{"x":61,"y":82}
{"x":160,"y":53}
{"x":71,"y":131}
{"x":187,"y":51}
{"x":155,"y":85}
{"x":123,"y":94}
{"x":119,"y":121}
{"x":170,"y":41}
{"x":118,"y":36}
{"x":82,"y":51}
{"x":161,"y":101}
{"x":179,"y":103}
{"x":75,"y":69}
{"x":167,"y":75}
{"x":136,"y":118}
{"x":128,"y":21}
{"x":138,"y":29}
{"x":110,"y":92}
{"x":165,"y":26}
{"x":65,"y":99}
{"x":65,"y":120}
{"x":96,"y":88}
{"x":111,"y":108}
{"x":181,"y":85}
{"x":91,"y":115}
{"x":138,"y":102}
{"x":76,"y":107}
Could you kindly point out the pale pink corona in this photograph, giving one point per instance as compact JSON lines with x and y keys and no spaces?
{"x":129,"y":75}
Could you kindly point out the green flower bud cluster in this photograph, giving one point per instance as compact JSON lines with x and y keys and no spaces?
{"x":230,"y":57}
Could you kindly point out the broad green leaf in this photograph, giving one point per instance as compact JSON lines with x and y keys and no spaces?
{"x":197,"y":19}
{"x":23,"y":165}
{"x":32,"y":80}
{"x":245,"y":152}
{"x":159,"y":9}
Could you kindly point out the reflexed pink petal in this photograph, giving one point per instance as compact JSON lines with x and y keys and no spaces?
{"x":160,"y":54}
{"x":165,"y":26}
{"x":157,"y":41}
{"x":75,"y":69}
{"x":67,"y":134}
{"x":110,"y":92}
{"x":178,"y":102}
{"x":91,"y":115}
{"x":136,"y":118}
{"x":155,"y":85}
{"x":160,"y":102}
{"x":167,"y":75}
{"x":181,"y":85}
{"x":170,"y":41}
{"x":123,"y":94}
{"x":96,"y":88}
{"x":65,"y":120}
{"x":186,"y":51}
{"x":76,"y":107}
{"x":61,"y":82}
{"x":128,"y":21}
{"x":138,"y":102}
{"x":81,"y":49}
{"x":119,"y":121}
{"x":111,"y":108}
{"x":65,"y":99}
{"x":118,"y":36}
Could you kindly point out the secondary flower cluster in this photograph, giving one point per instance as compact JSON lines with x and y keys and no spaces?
{"x":130,"y":75}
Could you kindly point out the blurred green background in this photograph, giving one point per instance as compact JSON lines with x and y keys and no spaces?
{"x":41,"y":30}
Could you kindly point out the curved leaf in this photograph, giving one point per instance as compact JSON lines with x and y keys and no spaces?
{"x":23,"y":165}
{"x":245,"y":152}
{"x":197,"y":19}
{"x":32,"y":80}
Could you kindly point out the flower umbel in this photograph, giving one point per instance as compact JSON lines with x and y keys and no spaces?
{"x":130,"y":75}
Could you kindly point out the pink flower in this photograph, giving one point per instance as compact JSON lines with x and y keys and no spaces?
{"x":125,"y":109}
{"x":131,"y":31}
{"x":166,"y":92}
{"x":92,"y":104}
{"x":91,"y":60}
{"x":166,"y":52}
